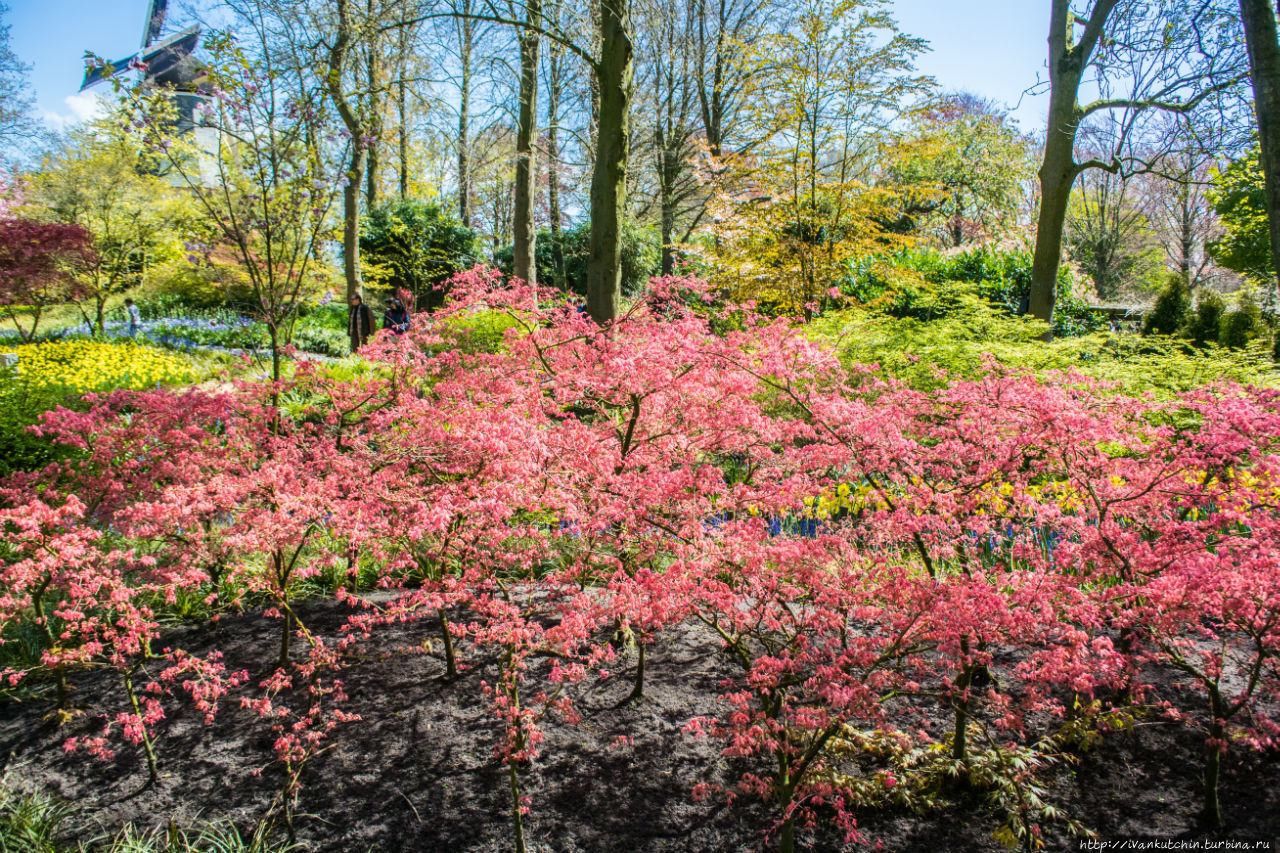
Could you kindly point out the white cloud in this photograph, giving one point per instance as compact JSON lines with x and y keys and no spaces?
{"x":81,"y":107}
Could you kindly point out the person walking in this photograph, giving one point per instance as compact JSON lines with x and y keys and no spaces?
{"x":135,"y":319}
{"x":396,"y":317}
{"x":359,"y":323}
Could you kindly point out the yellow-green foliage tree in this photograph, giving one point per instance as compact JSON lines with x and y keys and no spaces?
{"x":963,"y":166}
{"x":1240,"y":201}
{"x":264,"y":190}
{"x":100,"y":180}
{"x":822,"y":92}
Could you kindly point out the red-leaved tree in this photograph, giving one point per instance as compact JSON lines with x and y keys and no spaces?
{"x":37,"y":265}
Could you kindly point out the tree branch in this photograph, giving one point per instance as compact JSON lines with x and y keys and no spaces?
{"x":1177,"y":107}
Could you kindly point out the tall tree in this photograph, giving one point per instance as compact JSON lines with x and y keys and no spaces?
{"x":968,"y":163}
{"x":357,"y":91}
{"x":828,"y":88}
{"x":1176,"y":199}
{"x":525,"y":230}
{"x":614,"y":75}
{"x":404,"y":38}
{"x":1109,"y":236}
{"x":1264,"y":64}
{"x":610,"y":55}
{"x":466,"y":32}
{"x":556,"y":85}
{"x":376,"y":88}
{"x":422,"y":142}
{"x":667,"y":63}
{"x":265,"y":191}
{"x":1167,"y":57}
{"x":493,"y":185}
{"x":722,"y":30}
{"x":16,"y":102}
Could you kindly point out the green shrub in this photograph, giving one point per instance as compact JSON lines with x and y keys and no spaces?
{"x":35,"y":823}
{"x":926,"y":284}
{"x":415,"y":245}
{"x":1205,"y":323}
{"x":1241,"y":325}
{"x":330,"y":316}
{"x":181,"y":284}
{"x":1170,"y":312}
{"x":321,"y":340}
{"x":641,"y":257}
{"x":21,"y":404}
{"x":1239,"y":198}
{"x":220,"y":836}
{"x":482,"y":331}
{"x":927,"y":354}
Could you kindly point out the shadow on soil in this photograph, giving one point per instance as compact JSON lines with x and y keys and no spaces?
{"x":418,"y":774}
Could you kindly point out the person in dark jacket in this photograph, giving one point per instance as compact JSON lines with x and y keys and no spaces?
{"x":359,"y":323}
{"x":396,"y":318}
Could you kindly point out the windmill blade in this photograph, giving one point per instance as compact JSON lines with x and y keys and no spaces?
{"x":168,"y":62}
{"x":95,"y":74}
{"x":154,"y":22}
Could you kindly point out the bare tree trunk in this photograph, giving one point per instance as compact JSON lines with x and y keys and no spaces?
{"x":371,"y":178}
{"x":668,"y":232}
{"x":555,"y":84}
{"x":1059,"y":170}
{"x":375,"y":118}
{"x":666,"y":177}
{"x":1056,"y":178}
{"x":1068,"y":60}
{"x":351,"y":119}
{"x":402,"y":112}
{"x":957,"y":222}
{"x":466,"y":38}
{"x":1264,"y":64}
{"x":1212,"y":810}
{"x":524,"y":266}
{"x":614,"y":72}
{"x":351,"y":223}
{"x":1187,"y":237}
{"x":711,"y":91}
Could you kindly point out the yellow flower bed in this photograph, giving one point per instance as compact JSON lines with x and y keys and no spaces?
{"x":995,"y":498}
{"x":855,"y":499}
{"x":83,"y":365}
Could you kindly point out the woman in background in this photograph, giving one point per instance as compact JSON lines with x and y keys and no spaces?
{"x":396,"y":318}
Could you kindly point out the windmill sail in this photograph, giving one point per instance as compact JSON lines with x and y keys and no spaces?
{"x":94,"y":74}
{"x":154,"y":22}
{"x":168,"y":62}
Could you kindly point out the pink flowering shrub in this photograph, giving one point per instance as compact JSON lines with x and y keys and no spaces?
{"x":921,"y":592}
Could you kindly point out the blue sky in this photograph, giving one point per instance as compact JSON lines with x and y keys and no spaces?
{"x":994,"y":48}
{"x":52,"y":35}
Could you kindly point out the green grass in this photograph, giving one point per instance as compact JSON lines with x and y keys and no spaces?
{"x":55,"y":318}
{"x":30,"y":823}
{"x":38,"y":823}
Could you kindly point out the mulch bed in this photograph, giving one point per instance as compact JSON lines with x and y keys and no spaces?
{"x":418,"y":773}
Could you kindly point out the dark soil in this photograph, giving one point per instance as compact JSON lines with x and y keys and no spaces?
{"x":418,"y":773}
